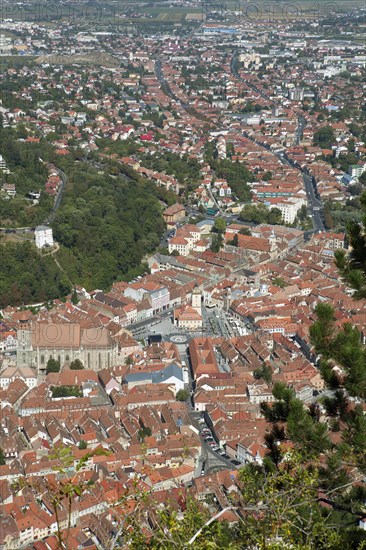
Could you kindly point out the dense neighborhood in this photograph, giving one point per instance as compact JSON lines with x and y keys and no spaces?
{"x":186,"y":192}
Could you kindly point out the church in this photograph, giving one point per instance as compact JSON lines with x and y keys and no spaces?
{"x":39,"y":341}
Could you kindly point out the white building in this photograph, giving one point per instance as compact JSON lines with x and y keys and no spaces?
{"x":13,"y":373}
{"x":289,"y":207}
{"x":43,"y":236}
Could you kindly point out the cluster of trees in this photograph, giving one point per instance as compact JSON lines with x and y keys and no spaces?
{"x":99,"y":226}
{"x":236,"y":173}
{"x":339,"y":347}
{"x":66,"y":391}
{"x":261,"y":214}
{"x":76,"y":365}
{"x":53,"y":365}
{"x":28,"y":173}
{"x":353,"y":267}
{"x":184,"y":169}
{"x":27,"y":277}
{"x":218,"y":232}
{"x":324,"y":137}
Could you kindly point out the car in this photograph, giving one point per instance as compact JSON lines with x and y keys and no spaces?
{"x":216,"y":448}
{"x":221,"y":452}
{"x":235,"y":462}
{"x":212,"y":444}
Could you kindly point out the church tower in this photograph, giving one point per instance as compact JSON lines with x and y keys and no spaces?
{"x":197,"y":299}
{"x":24,"y":340}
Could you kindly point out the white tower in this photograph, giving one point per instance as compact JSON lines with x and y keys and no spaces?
{"x":197,"y":299}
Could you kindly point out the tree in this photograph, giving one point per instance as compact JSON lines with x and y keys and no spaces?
{"x":264,"y":372}
{"x":76,"y":365}
{"x":234,"y":241}
{"x":182,"y":395}
{"x":324,"y":137}
{"x":74,"y":297}
{"x":245,"y":231}
{"x":53,"y":366}
{"x":220,"y":225}
{"x":143,"y":433}
{"x":353,"y":266}
{"x":216,"y":242}
{"x":2,"y":457}
{"x":82,"y":445}
{"x":323,"y":330}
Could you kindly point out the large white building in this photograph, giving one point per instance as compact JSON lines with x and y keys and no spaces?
{"x":43,"y":236}
{"x":289,"y":207}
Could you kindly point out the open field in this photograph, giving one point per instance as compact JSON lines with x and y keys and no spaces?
{"x":117,"y":12}
{"x":93,"y":58}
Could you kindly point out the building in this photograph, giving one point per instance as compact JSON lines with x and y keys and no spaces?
{"x":9,"y":189}
{"x":289,"y":207}
{"x":174,"y":214}
{"x":40,"y":341}
{"x":188,"y":318}
{"x":43,"y":236}
{"x":10,"y":374}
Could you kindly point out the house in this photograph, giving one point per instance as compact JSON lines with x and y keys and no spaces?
{"x":9,"y":189}
{"x":171,"y":375}
{"x":188,"y":318}
{"x":174,"y":214}
{"x":43,"y":236}
{"x":12,"y":373}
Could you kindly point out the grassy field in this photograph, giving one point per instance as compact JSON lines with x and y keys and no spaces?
{"x":109,"y":12}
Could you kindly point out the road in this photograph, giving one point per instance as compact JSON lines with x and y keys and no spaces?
{"x":167,"y":91}
{"x":50,"y":217}
{"x":234,"y":71}
{"x":315,"y":205}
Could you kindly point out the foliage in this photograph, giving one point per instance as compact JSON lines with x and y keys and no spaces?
{"x":76,"y":365}
{"x":353,"y":266}
{"x":53,"y":366}
{"x":182,"y":395}
{"x":66,"y":391}
{"x":343,"y":346}
{"x":324,"y":137}
{"x":82,"y":445}
{"x":143,"y":433}
{"x":261,"y":214}
{"x":26,"y":277}
{"x":264,"y":372}
{"x":100,"y":230}
{"x":2,"y":457}
{"x":234,"y":241}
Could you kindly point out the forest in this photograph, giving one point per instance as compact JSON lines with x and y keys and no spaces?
{"x":105,"y":226}
{"x":26,"y":277}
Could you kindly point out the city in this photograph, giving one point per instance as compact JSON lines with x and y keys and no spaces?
{"x":183,"y":280}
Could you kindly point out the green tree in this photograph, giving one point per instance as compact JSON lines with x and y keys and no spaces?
{"x":234,"y":241}
{"x":2,"y":457}
{"x":76,"y":365}
{"x":53,"y":366}
{"x":324,"y":137}
{"x":322,"y":331}
{"x":182,"y":395}
{"x":220,"y":225}
{"x":245,"y":231}
{"x":353,"y":266}
{"x":264,"y":372}
{"x":82,"y":445}
{"x":74,"y":297}
{"x":143,"y":433}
